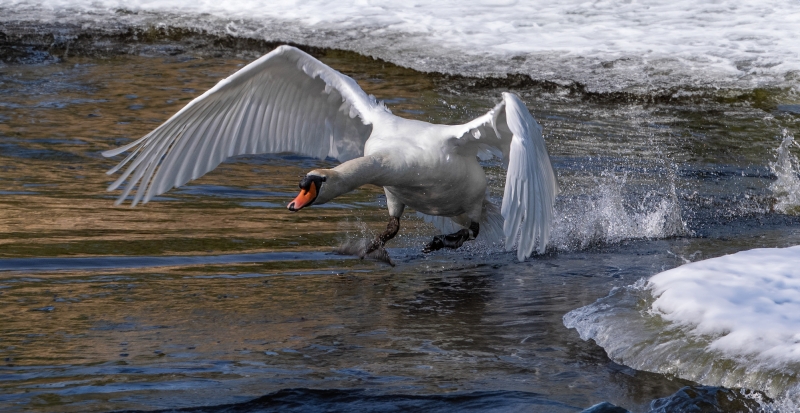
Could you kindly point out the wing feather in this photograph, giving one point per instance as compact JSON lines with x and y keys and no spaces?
{"x":243,"y":123}
{"x":286,"y":101}
{"x":531,"y":186}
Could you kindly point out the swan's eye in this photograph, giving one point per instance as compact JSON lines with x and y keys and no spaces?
{"x":306,"y":182}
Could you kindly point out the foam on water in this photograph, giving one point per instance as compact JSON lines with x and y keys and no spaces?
{"x":605,"y":45}
{"x":729,"y":321}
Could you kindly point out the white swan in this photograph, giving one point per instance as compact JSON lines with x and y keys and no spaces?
{"x":288,"y":101}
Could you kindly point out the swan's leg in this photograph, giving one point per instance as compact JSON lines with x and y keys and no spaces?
{"x":454,"y":240}
{"x":391,"y":230}
{"x":396,"y":208}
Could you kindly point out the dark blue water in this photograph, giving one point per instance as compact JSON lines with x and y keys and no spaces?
{"x":695,"y":399}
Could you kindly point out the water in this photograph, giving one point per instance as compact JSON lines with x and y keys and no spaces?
{"x":215,"y":295}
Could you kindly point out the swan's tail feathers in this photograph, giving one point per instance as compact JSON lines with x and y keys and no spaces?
{"x":491,"y":231}
{"x":444,"y":225}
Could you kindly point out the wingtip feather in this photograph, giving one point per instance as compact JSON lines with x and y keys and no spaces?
{"x":531,"y":186}
{"x":144,"y":165}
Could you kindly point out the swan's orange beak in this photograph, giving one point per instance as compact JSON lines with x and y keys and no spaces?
{"x":305,"y":198}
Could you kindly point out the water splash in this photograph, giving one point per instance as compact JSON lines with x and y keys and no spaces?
{"x":608,"y":216}
{"x":786,"y":168}
{"x":357,"y":247}
{"x":619,"y":208}
{"x":356,"y":239}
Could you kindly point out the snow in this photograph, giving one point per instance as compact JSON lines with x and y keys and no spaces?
{"x":748,"y":303}
{"x":607,"y":44}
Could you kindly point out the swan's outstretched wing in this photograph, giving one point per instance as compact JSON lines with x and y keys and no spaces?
{"x":510,"y":131}
{"x":286,"y":101}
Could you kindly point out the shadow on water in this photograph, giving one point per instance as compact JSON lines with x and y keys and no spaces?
{"x":698,"y":399}
{"x":313,"y":400}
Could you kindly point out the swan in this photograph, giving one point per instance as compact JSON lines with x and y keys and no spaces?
{"x":288,"y":101}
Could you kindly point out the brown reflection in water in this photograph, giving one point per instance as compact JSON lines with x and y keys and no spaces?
{"x":376,"y":324}
{"x":431,"y":326}
{"x":61,"y":116}
{"x":173,"y":312}
{"x":366,"y":320}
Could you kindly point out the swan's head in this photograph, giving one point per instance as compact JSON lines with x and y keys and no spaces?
{"x":310,"y":187}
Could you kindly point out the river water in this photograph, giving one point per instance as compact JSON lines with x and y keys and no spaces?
{"x":215,"y":295}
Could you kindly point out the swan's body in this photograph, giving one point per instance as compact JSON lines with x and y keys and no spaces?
{"x":420,"y":171}
{"x":287,"y":101}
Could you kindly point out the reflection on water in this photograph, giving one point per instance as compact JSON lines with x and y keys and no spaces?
{"x":214,"y":293}
{"x":245,"y":329}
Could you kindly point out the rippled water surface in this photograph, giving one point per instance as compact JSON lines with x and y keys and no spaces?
{"x":215,"y":294}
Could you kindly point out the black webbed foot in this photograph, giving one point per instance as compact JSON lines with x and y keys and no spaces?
{"x":434,"y":245}
{"x":379,"y":254}
{"x":451,"y":241}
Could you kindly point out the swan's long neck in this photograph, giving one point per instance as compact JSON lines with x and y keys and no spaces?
{"x":349,"y":176}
